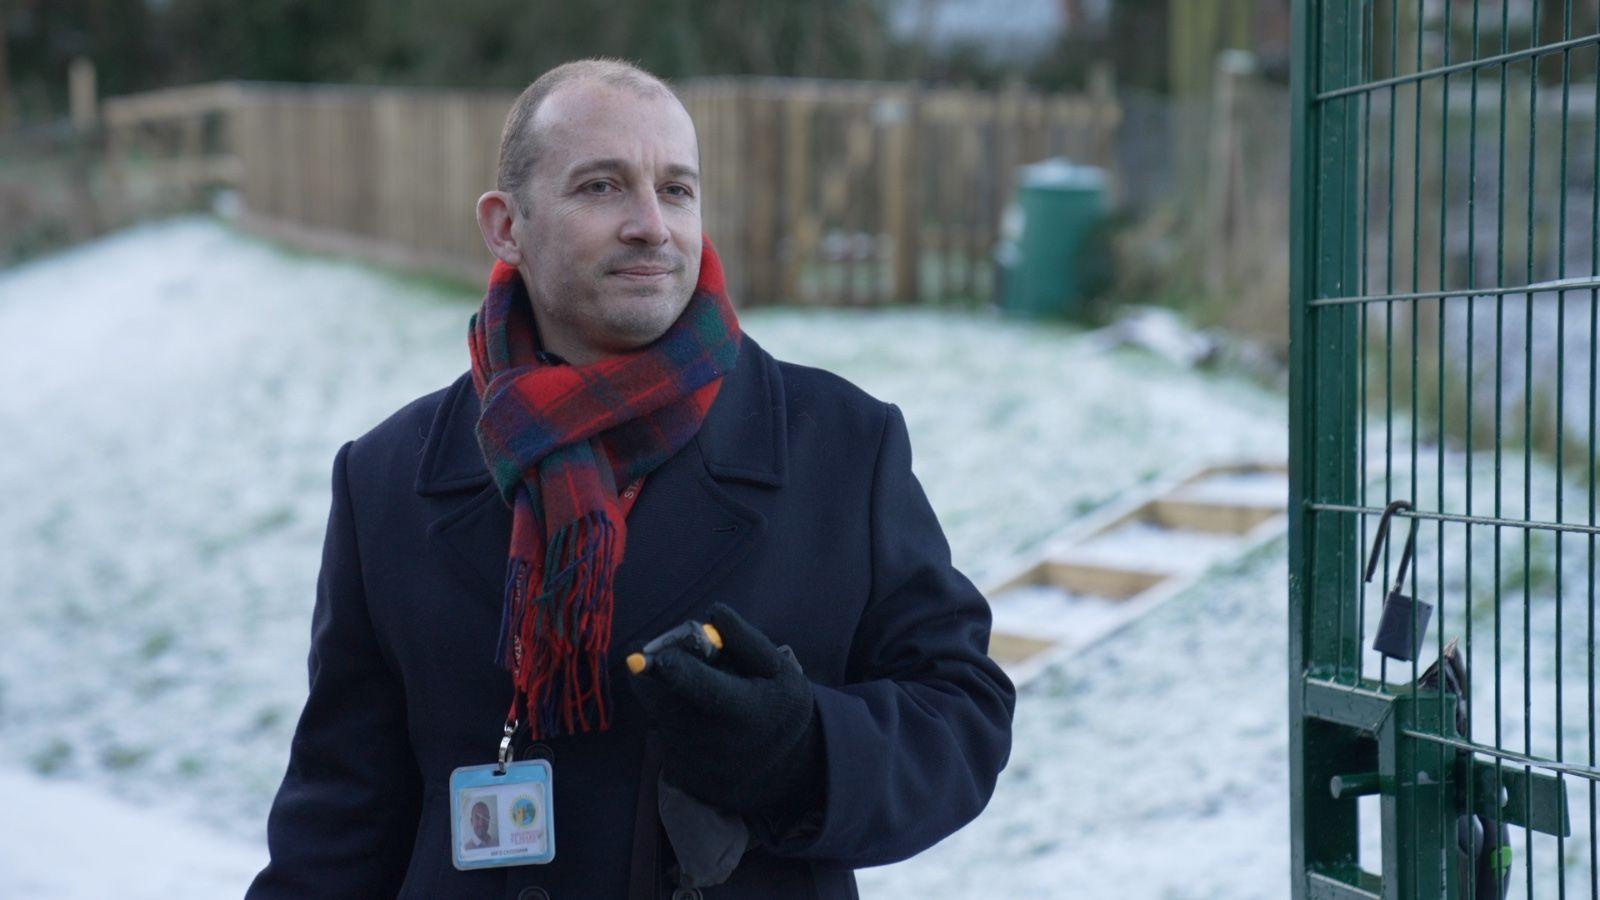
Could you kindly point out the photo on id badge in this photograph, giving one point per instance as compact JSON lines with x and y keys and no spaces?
{"x":501,"y":820}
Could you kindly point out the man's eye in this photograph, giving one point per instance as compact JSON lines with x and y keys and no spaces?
{"x":598,"y":187}
{"x":678,"y":190}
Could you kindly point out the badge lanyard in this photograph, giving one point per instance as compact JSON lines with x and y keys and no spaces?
{"x":503,"y":813}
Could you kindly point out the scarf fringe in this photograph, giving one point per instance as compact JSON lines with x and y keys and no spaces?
{"x":556,"y":643}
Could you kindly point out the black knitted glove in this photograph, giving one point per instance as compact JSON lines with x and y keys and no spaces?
{"x":740,"y":733}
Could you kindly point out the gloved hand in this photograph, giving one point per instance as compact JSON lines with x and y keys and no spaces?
{"x":742,"y":733}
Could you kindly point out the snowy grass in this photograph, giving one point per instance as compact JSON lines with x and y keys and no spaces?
{"x":1152,"y":766}
{"x":176,"y":393}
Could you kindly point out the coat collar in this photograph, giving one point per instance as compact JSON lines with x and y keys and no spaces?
{"x":741,"y":439}
{"x":685,"y":531}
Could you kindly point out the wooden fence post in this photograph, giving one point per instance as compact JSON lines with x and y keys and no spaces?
{"x":761,"y":196}
{"x":800,"y":248}
{"x":902,"y":199}
{"x":82,"y":94}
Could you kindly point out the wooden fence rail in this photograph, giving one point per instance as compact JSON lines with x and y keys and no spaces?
{"x":836,"y":193}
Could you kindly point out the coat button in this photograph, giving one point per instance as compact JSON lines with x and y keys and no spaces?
{"x":533,"y":893}
{"x":687,"y":894}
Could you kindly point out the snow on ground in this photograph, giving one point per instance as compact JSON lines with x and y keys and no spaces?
{"x":1152,"y":766}
{"x":174,"y":398}
{"x":65,"y":839}
{"x":155,"y":649}
{"x":1018,"y":429}
{"x":1521,"y":602}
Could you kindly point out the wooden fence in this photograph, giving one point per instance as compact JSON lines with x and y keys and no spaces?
{"x":837,"y":193}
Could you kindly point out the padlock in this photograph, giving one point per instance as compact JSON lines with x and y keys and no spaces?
{"x":1405,"y":619}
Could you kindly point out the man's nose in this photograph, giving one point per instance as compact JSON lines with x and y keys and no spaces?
{"x":644,"y":224}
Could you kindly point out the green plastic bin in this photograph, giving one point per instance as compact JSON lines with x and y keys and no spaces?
{"x":1048,"y":256}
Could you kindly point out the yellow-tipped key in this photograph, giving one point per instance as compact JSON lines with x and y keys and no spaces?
{"x":701,"y":638}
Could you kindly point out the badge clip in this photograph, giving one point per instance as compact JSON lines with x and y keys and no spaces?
{"x":504,"y":757}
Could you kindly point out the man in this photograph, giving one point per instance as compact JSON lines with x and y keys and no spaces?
{"x":481,"y":838}
{"x":621,"y":458}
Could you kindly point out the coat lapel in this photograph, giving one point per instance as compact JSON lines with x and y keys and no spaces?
{"x":685,"y":530}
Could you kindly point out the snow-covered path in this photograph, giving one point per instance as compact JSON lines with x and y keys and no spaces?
{"x":154,"y":649}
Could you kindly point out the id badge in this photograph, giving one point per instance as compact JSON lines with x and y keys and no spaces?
{"x":502,"y":817}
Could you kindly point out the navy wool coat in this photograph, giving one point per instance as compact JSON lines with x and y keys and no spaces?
{"x":795,"y":504}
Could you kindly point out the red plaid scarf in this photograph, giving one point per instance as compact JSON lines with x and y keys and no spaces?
{"x":560,"y":440}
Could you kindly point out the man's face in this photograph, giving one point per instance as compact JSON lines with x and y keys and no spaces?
{"x":611,"y":240}
{"x":480,"y":821}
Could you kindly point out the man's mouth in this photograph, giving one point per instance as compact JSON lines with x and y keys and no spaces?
{"x":643,"y":273}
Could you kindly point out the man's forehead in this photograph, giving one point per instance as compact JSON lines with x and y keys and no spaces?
{"x":588,"y":119}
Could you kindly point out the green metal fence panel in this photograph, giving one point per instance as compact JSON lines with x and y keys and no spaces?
{"x":1445,"y":290}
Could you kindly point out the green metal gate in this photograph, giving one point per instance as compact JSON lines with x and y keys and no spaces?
{"x":1446,"y":314}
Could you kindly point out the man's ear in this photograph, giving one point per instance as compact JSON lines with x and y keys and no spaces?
{"x":497,"y":211}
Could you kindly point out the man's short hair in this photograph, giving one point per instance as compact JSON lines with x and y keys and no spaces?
{"x":519,"y":144}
